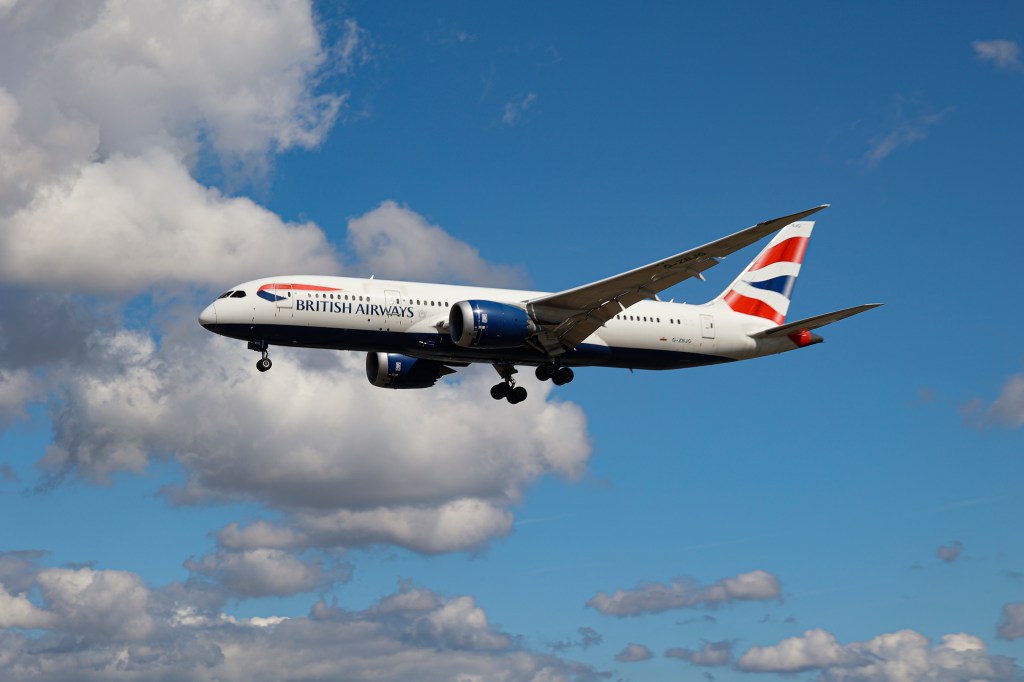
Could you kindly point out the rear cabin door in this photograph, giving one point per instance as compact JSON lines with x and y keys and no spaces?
{"x":707,"y":333}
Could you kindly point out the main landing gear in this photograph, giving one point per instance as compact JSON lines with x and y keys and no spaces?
{"x":264,"y":363}
{"x":507,"y":389}
{"x":558,"y":375}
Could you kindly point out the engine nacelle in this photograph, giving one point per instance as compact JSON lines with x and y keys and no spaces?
{"x":487,"y":324}
{"x":394,"y":370}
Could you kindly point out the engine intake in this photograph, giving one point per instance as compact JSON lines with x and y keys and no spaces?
{"x":394,"y":370}
{"x":487,"y":324}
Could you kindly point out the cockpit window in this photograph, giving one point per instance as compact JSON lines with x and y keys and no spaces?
{"x":238,"y":294}
{"x":225,"y":295}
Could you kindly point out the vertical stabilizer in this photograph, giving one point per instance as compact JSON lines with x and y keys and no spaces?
{"x":764,"y":288}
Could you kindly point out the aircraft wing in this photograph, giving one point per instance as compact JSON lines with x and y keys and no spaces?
{"x":568,"y":317}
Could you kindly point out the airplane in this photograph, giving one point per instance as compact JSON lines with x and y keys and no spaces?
{"x":414,"y":333}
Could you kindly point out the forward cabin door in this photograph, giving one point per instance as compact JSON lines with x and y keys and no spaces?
{"x":284,"y":296}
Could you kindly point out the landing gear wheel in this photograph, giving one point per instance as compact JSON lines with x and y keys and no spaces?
{"x":546,"y":371}
{"x":517,"y":395}
{"x":263,"y":364}
{"x":563,"y":376}
{"x":499,"y":391}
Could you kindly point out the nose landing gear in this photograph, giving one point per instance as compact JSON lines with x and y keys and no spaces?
{"x":264,"y":363}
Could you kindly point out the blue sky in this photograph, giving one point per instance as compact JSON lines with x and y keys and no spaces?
{"x":845,"y":512}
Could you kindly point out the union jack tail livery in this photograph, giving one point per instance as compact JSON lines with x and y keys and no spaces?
{"x":765,"y":287}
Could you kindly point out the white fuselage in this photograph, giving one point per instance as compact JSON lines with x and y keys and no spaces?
{"x":412,"y":318}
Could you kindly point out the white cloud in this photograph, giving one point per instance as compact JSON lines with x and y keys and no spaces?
{"x":1007,"y":410}
{"x":685,"y":593}
{"x":344,"y":476}
{"x":16,"y":388}
{"x":16,"y":611}
{"x":97,"y":604}
{"x":1011,"y":626}
{"x":633,"y":653}
{"x":910,"y":121}
{"x":903,"y":656}
{"x":258,"y":572}
{"x":394,"y":242}
{"x":240,"y":75}
{"x":709,"y":654}
{"x":814,"y":649}
{"x":1003,"y":53}
{"x":105,"y":107}
{"x":517,"y":107}
{"x":134,"y":223}
{"x":107,"y":625}
{"x":454,"y":525}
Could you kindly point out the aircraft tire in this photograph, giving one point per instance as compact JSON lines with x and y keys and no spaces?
{"x":263,"y":364}
{"x":517,"y":395}
{"x":546,"y":371}
{"x":499,"y":391}
{"x":564,"y":376}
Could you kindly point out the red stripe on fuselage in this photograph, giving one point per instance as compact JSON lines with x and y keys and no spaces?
{"x":297,"y":287}
{"x":752,"y":306}
{"x":790,"y":251}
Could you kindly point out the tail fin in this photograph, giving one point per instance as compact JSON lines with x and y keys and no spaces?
{"x":763,"y":289}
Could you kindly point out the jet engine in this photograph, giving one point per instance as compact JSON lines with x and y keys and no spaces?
{"x":487,"y":324}
{"x":394,"y":370}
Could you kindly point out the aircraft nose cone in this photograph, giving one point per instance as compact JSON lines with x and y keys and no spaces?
{"x":208,"y":316}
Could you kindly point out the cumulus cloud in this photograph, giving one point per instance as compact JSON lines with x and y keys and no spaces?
{"x":686,"y":593}
{"x":633,"y":653}
{"x":893,"y":657}
{"x":709,"y":654}
{"x":16,"y":611}
{"x":259,"y":572}
{"x":108,"y":625}
{"x":1011,"y":626}
{"x":106,"y":107}
{"x":951,"y":552}
{"x":392,"y":241}
{"x":137,"y":222}
{"x":239,"y":77}
{"x":1005,"y":54}
{"x":448,"y":489}
{"x":97,"y":604}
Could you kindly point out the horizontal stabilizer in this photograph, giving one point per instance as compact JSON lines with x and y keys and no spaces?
{"x":813,"y":322}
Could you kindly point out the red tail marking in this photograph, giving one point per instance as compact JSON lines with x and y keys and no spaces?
{"x":752,"y":306}
{"x":790,"y":251}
